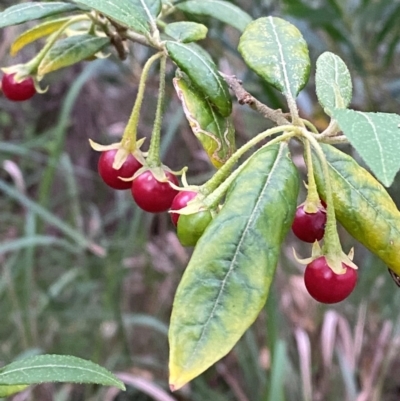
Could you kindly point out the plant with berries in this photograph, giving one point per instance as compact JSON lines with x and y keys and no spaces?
{"x":238,"y":219}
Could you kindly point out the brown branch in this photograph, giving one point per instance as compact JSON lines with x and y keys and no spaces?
{"x":245,"y":97}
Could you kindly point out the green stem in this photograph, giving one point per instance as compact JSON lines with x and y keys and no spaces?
{"x":33,"y":65}
{"x":312,"y":201}
{"x":332,"y":246}
{"x":335,"y":140}
{"x":214,"y":198}
{"x":153,"y":158}
{"x":225,"y":170}
{"x":331,"y":130}
{"x":293,"y":109}
{"x":143,"y":40}
{"x":129,"y":138}
{"x":310,"y":125}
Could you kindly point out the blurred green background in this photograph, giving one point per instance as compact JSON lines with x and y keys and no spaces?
{"x":84,"y":272}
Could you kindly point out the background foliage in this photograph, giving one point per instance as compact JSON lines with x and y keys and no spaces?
{"x":85,"y":272}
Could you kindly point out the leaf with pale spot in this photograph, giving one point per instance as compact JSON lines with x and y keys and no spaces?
{"x":376,"y":137}
{"x":333,"y":82}
{"x":278,"y":53}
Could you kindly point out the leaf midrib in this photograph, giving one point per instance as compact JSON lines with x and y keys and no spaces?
{"x":232,"y":264}
{"x":52,"y":366}
{"x":363,"y":197}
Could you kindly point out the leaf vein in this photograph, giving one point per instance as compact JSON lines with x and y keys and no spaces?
{"x":281,"y":55}
{"x":237,"y":251}
{"x":46,"y":366}
{"x":381,"y":156}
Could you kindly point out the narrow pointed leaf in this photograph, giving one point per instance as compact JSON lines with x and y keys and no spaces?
{"x":215,"y":132}
{"x":186,"y":31}
{"x":333,"y":82}
{"x":228,"y":277}
{"x":56,"y":368}
{"x":362,"y":205}
{"x":203,"y":73}
{"x":70,"y":51}
{"x":222,"y":10}
{"x":277,"y":52}
{"x":32,"y":10}
{"x":376,"y":137}
{"x":133,"y":14}
{"x":6,"y":391}
{"x":37,"y":32}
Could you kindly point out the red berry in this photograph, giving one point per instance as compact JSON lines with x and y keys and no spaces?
{"x":179,"y":202}
{"x":324,"y":285}
{"x":17,"y":91}
{"x":151,"y":195}
{"x":110,"y":175}
{"x":309,"y":227}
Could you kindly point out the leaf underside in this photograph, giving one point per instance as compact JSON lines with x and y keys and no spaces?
{"x":56,"y":368}
{"x":376,"y":137}
{"x":333,"y":82}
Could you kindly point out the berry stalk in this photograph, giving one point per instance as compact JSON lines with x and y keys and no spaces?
{"x":153,"y":158}
{"x":129,"y":138}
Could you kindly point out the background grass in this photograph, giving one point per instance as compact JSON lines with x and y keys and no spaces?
{"x":85,"y":272}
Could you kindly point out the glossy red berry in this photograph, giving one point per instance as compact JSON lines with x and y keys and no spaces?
{"x":17,"y":91}
{"x":179,"y":202}
{"x":324,"y":285}
{"x":309,"y":227}
{"x":110,"y":175}
{"x":151,"y":195}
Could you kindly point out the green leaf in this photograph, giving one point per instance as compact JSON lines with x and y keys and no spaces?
{"x":56,"y":368}
{"x":6,"y":391}
{"x":37,"y":32}
{"x":186,"y":31}
{"x":32,"y":10}
{"x":333,"y":82}
{"x":222,"y":10}
{"x":151,"y":6}
{"x":278,"y":53}
{"x":376,"y":137}
{"x":133,"y":14}
{"x":203,"y":73}
{"x":215,"y":132}
{"x":362,"y":205}
{"x":70,"y":51}
{"x":228,"y":277}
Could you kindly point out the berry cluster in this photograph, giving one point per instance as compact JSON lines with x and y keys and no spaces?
{"x":155,"y":196}
{"x":149,"y":194}
{"x":322,"y":283}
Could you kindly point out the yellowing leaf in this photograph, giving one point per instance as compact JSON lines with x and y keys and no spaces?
{"x":37,"y":32}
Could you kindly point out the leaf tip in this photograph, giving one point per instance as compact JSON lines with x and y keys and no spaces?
{"x":121,"y":385}
{"x":177,"y":384}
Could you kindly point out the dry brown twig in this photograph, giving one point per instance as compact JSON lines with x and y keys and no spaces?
{"x":244,"y":97}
